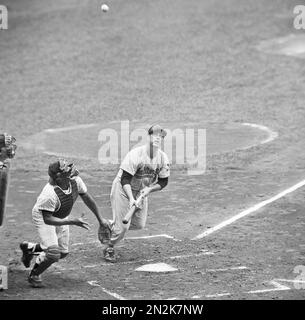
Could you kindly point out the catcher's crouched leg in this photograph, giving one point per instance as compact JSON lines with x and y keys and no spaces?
{"x":46,"y":259}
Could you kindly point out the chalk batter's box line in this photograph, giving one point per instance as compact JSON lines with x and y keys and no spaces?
{"x":130,"y":238}
{"x":249,"y":210}
{"x":204,"y":253}
{"x":275,"y":283}
{"x":95,"y":283}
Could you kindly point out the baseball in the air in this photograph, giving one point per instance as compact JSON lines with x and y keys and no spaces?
{"x":104,"y":7}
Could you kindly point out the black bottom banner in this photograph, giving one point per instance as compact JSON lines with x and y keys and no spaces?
{"x":130,"y":309}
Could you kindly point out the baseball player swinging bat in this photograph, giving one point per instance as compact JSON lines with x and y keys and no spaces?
{"x":133,"y":209}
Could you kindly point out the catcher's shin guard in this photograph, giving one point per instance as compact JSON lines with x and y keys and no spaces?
{"x":27,"y":254}
{"x":46,"y":259}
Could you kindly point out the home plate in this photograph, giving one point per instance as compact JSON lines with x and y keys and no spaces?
{"x":157,"y":267}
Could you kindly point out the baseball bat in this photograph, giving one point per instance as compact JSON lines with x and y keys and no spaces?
{"x":132,"y":210}
{"x":4,"y":177}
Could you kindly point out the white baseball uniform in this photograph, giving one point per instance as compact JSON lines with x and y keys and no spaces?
{"x":49,"y":201}
{"x":145,"y":172}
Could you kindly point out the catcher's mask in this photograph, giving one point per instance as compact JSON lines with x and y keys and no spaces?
{"x":7,"y":145}
{"x":62,"y":169}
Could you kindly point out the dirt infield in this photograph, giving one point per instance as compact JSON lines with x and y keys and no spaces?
{"x":84,"y":141}
{"x":67,"y":64}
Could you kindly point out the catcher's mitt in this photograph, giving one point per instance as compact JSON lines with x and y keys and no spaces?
{"x":104,"y":233}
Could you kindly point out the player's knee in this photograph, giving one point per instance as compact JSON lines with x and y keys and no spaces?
{"x":63,"y":255}
{"x":137,"y":226}
{"x":141,"y":225}
{"x":53,"y":253}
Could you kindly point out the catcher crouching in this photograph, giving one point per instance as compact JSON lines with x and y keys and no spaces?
{"x":51,"y":218}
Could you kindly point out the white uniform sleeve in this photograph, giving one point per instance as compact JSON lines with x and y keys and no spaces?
{"x":131,"y":162}
{"x":165,"y":169}
{"x":81,"y":187}
{"x":47,"y":200}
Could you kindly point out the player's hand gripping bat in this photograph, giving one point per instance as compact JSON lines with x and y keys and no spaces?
{"x":132,"y":210}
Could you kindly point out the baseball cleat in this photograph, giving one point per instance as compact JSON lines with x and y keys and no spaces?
{"x":109,"y":254}
{"x":35,"y":281}
{"x":27,"y":255}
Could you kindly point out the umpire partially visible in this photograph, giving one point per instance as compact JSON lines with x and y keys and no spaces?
{"x":7,"y":152}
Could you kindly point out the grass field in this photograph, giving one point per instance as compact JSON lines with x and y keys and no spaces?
{"x":66,"y":63}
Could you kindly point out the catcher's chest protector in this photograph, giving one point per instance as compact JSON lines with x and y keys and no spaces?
{"x":66,"y":200}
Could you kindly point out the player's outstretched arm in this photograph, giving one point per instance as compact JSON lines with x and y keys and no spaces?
{"x":49,"y":219}
{"x":91,"y":204}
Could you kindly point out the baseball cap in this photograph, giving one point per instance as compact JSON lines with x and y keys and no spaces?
{"x":157,"y":129}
